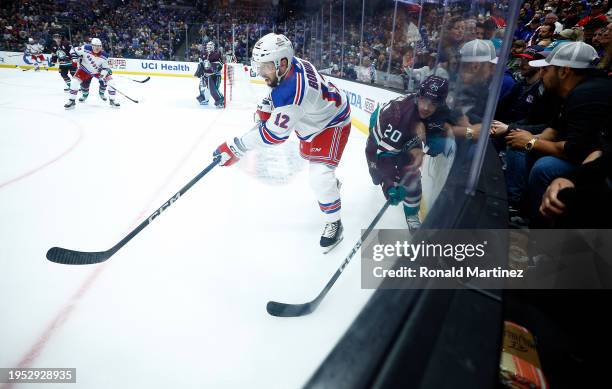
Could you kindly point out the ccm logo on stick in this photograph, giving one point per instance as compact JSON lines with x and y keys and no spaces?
{"x":163,"y":207}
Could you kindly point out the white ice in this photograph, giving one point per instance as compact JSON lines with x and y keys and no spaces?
{"x":182,"y":305}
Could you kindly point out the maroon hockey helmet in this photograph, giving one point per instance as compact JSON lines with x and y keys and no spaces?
{"x":434,"y":88}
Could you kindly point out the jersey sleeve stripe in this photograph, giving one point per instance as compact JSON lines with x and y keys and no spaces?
{"x":298,"y":88}
{"x":302,"y":88}
{"x":268,"y":137}
{"x":341,"y":117}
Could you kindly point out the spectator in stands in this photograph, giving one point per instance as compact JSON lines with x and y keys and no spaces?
{"x":526,"y":14}
{"x":452,"y":39}
{"x":606,"y":43}
{"x":581,"y":199}
{"x":497,"y":16}
{"x":480,"y":31}
{"x":489,"y":29}
{"x":570,"y":18}
{"x":527,"y":32}
{"x":546,"y":34}
{"x":471,"y":30}
{"x":597,"y":13}
{"x":514,"y":62}
{"x":596,"y":41}
{"x":478,"y":59}
{"x":566,"y":36}
{"x":528,"y":106}
{"x":568,"y":72}
{"x":552,"y":18}
{"x":590,"y":27}
{"x":524,"y":94}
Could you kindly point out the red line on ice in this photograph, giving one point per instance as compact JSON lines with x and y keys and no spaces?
{"x":65,"y":311}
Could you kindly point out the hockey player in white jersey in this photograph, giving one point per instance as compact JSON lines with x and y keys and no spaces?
{"x":92,"y":61}
{"x":34,"y":51}
{"x":304,"y":102}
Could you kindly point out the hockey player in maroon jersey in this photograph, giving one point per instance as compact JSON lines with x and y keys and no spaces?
{"x":61,"y":56}
{"x":398,"y":133}
{"x":209,"y":72}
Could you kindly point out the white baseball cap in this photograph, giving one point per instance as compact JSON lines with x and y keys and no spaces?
{"x":478,"y":50}
{"x":577,"y":55}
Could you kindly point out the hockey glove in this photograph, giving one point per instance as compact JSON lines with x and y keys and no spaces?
{"x":105,"y":75}
{"x":396,"y":194}
{"x":230,"y":152}
{"x":264,"y":110}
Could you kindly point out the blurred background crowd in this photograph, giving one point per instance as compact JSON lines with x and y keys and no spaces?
{"x":351,"y":38}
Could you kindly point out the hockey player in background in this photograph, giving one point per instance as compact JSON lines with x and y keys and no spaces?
{"x":34,"y":51}
{"x":399,"y":131}
{"x":61,"y":56}
{"x":92,"y":62}
{"x":87,"y":83}
{"x":209,"y":73}
{"x":304,"y":102}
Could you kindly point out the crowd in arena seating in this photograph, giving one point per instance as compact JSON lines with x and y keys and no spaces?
{"x":137,"y":29}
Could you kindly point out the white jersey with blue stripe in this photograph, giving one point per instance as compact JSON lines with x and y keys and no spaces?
{"x":304,"y":102}
{"x":34,"y":49}
{"x":88,"y":61}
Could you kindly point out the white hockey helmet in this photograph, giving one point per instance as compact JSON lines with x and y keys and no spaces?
{"x":96,"y":42}
{"x":210,"y":46}
{"x":272,"y":48}
{"x":30,"y":40}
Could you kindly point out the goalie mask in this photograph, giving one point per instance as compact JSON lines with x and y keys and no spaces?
{"x":272,"y":48}
{"x":210,"y":47}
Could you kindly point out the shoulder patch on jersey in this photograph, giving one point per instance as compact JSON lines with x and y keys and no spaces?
{"x":88,"y":48}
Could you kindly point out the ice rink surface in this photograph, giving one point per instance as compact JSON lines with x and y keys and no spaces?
{"x":182,"y":305}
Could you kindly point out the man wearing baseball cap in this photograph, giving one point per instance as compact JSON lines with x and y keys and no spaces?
{"x":478,"y":60}
{"x":569,"y":72}
{"x":524,"y":102}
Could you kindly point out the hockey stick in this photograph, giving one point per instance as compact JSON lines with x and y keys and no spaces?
{"x":123,"y":94}
{"x":275,"y":308}
{"x":71,"y":257}
{"x":139,"y":81}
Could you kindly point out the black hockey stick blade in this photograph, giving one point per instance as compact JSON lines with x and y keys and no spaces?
{"x":275,"y":308}
{"x":291,"y":310}
{"x":71,"y":257}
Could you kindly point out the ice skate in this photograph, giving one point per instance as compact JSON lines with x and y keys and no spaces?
{"x":332,"y":235}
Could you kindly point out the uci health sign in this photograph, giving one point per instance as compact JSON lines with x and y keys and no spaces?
{"x":151,"y":67}
{"x":118,"y":65}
